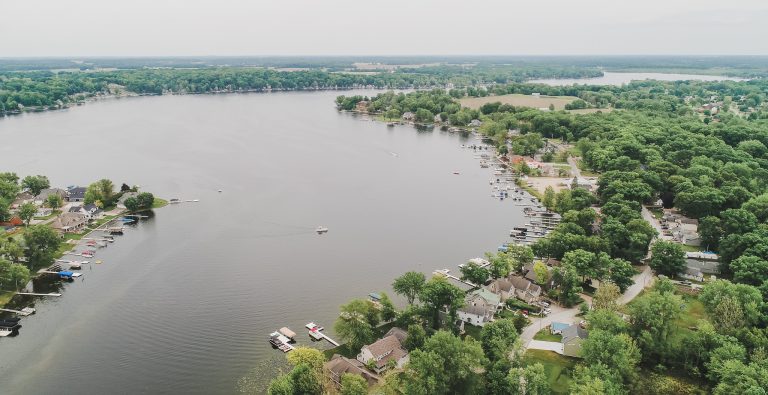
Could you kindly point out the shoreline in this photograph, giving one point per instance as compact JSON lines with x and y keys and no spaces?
{"x":6,"y":297}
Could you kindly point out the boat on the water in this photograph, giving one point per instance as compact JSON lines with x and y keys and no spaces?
{"x":176,"y":201}
{"x":321,"y":230}
{"x":280,"y":342}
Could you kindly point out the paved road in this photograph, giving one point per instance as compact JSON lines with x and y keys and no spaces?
{"x":575,"y":171}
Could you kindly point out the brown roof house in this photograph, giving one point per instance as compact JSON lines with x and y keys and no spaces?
{"x":69,"y":222}
{"x":338,"y":366}
{"x":384,"y":353}
{"x":503,"y":288}
{"x":43,"y":195}
{"x":525,"y":290}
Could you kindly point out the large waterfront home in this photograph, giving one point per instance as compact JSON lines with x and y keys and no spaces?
{"x":338,"y":366}
{"x":385,"y":353}
{"x":69,"y":222}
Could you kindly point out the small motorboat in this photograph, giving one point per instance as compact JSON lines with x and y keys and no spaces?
{"x":176,"y":201}
{"x":456,"y":172}
{"x":321,"y":230}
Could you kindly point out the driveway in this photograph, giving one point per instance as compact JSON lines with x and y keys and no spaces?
{"x":568,"y":316}
{"x":549,"y":346}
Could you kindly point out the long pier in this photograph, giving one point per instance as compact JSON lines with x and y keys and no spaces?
{"x":22,"y":313}
{"x":36,"y":294}
{"x":324,"y":336}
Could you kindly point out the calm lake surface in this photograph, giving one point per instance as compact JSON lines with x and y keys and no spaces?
{"x":183,"y":302}
{"x":610,"y":78}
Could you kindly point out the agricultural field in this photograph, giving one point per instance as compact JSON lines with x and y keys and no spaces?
{"x":519,"y":100}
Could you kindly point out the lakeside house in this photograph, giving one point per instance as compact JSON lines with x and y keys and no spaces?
{"x":386,"y":352}
{"x":43,"y":211}
{"x":706,"y":262}
{"x":409,"y":116}
{"x":338,"y":366}
{"x":69,"y":222}
{"x":90,"y":210}
{"x":480,"y":306}
{"x":525,"y":290}
{"x":22,"y":198}
{"x":573,"y":336}
{"x":43,"y":195}
{"x":76,"y":194}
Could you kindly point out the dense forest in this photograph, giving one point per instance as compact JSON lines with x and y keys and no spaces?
{"x":35,"y":84}
{"x":700,"y":147}
{"x":47,"y":89}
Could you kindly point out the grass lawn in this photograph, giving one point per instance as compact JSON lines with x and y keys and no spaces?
{"x":657,"y":212}
{"x":516,"y":99}
{"x":157,"y":203}
{"x":472,"y":331}
{"x":5,"y":297}
{"x":558,"y":368}
{"x":547,"y":336}
{"x":694,"y":311}
{"x":688,"y":248}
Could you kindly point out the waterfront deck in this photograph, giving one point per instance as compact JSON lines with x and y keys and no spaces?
{"x":315,"y":331}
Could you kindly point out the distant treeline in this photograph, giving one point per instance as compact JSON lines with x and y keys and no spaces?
{"x":44,"y":89}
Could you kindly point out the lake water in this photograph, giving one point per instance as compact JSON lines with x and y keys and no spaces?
{"x":183,"y":302}
{"x":610,"y":78}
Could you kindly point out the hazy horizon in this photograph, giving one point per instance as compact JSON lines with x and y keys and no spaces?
{"x":231,"y":28}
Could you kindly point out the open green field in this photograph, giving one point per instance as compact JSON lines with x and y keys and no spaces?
{"x":557,"y":367}
{"x":519,"y":100}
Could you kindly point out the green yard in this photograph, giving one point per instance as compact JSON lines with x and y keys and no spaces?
{"x":547,"y":336}
{"x":557,"y":367}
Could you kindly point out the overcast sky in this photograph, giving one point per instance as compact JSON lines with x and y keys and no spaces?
{"x":384,"y":27}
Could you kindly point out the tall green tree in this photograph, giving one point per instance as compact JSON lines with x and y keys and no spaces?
{"x":444,"y":365}
{"x":27,"y":212}
{"x":475,"y":274}
{"x":388,"y":311}
{"x":439,"y":295}
{"x":667,"y":258}
{"x":41,"y":243}
{"x":498,"y":338}
{"x":353,"y":384}
{"x":618,"y":352}
{"x":653,"y":323}
{"x":35,"y":184}
{"x":54,"y":201}
{"x":409,"y":285}
{"x":529,"y":380}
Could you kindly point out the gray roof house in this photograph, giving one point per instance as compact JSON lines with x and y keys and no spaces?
{"x":76,"y":194}
{"x":573,"y":336}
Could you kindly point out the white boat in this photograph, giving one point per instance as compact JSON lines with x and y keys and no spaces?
{"x":321,"y":229}
{"x":27,"y":311}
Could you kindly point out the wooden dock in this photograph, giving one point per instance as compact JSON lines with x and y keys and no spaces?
{"x":36,"y":294}
{"x":315,"y":331}
{"x":18,"y":312}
